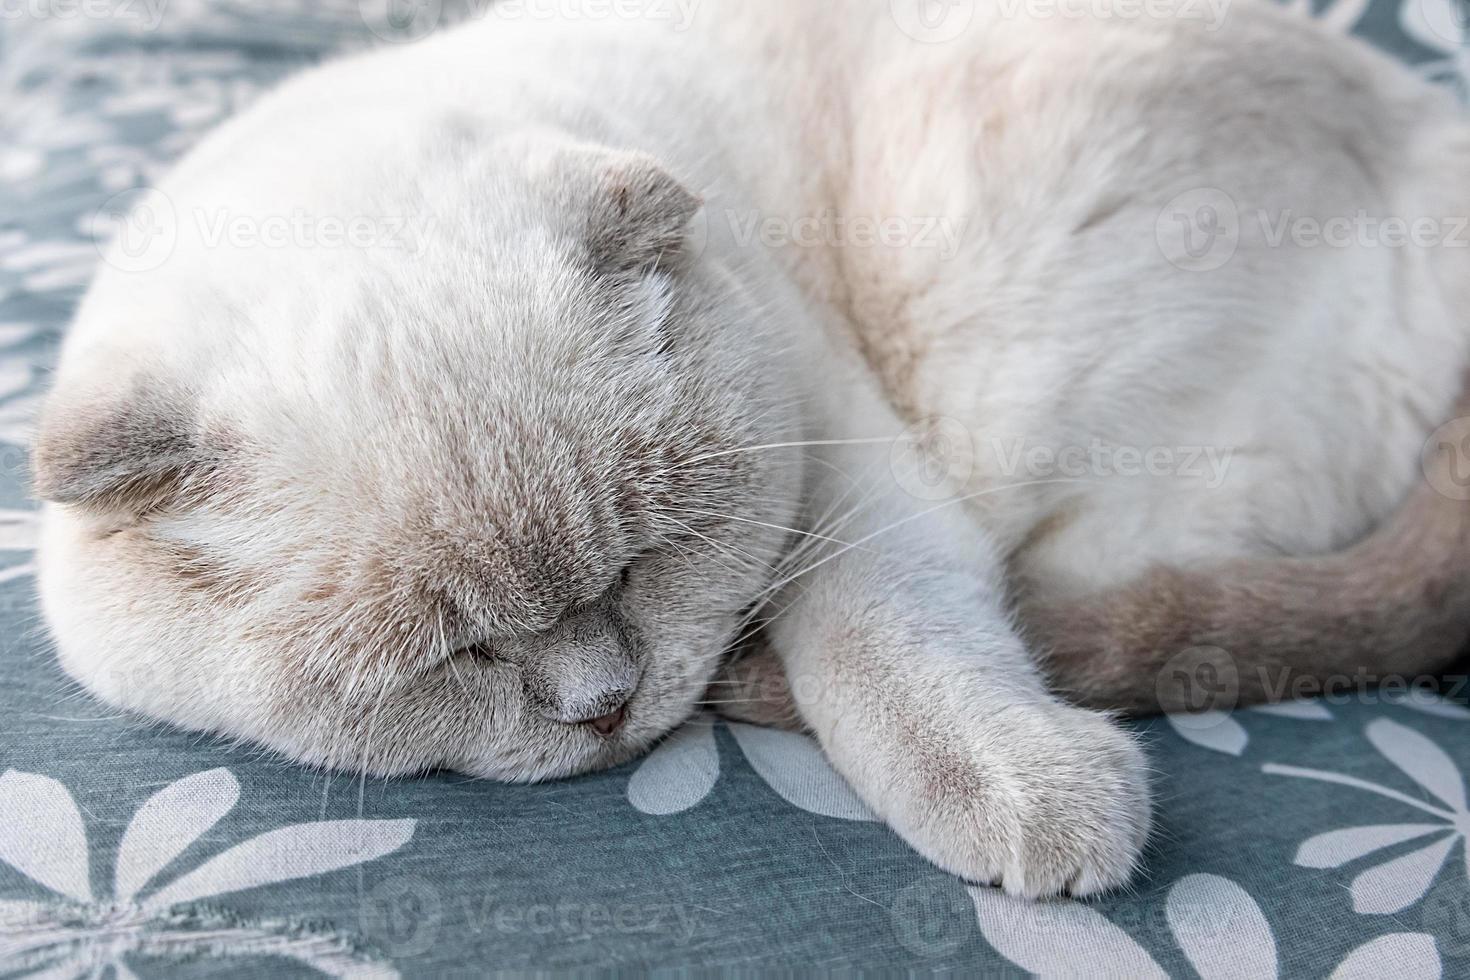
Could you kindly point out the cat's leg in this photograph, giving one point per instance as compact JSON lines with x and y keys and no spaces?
{"x":902,"y":660}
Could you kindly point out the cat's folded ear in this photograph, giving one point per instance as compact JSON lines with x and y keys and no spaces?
{"x":129,"y":449}
{"x":639,"y":215}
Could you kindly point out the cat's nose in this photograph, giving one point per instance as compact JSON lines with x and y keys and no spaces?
{"x":603,"y":713}
{"x":608,"y":724}
{"x":576,"y":698}
{"x":580,"y":673}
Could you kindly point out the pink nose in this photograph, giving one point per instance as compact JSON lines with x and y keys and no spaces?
{"x":605,"y":725}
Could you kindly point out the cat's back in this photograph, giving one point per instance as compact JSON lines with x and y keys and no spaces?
{"x":1090,"y":215}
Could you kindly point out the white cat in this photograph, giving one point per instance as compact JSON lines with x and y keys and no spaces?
{"x":619,"y":367}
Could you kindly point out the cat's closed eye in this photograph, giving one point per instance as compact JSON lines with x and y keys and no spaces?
{"x":479,"y":650}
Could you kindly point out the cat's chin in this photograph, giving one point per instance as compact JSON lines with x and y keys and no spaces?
{"x":668,"y":699}
{"x":603,"y":754}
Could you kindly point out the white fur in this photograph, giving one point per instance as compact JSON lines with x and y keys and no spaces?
{"x":1043,"y":150}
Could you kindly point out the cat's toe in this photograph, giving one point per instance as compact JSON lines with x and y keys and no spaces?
{"x":1065,"y":810}
{"x":1091,"y":831}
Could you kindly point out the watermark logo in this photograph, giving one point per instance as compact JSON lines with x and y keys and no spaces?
{"x":696,"y":233}
{"x":136,"y":230}
{"x":1198,"y":230}
{"x":932,"y":21}
{"x":402,"y":916}
{"x":1445,"y":915}
{"x":1202,"y":681}
{"x":933,"y":459}
{"x":1446,"y":19}
{"x":401,"y":20}
{"x":933,"y":917}
{"x":1446,"y":459}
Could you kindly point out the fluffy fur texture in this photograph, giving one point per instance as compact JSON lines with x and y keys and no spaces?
{"x":498,"y":493}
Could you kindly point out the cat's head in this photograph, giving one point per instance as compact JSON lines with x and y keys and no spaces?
{"x":470,"y":491}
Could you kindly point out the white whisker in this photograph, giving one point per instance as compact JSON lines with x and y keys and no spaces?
{"x":780,"y":445}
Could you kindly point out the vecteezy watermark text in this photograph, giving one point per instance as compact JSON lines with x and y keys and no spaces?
{"x":938,"y":458}
{"x":301,"y":229}
{"x":831,"y":229}
{"x":678,"y":14}
{"x":1200,"y":230}
{"x":941,"y":21}
{"x":1200,"y":683}
{"x":581,"y":920}
{"x":406,"y":915}
{"x":138,"y":230}
{"x":1210,"y":13}
{"x":1205,"y":464}
{"x":148,"y":13}
{"x":409,"y":20}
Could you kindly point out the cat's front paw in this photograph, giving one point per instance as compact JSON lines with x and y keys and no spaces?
{"x":1041,"y":800}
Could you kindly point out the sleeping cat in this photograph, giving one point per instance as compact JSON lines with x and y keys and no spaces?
{"x":885,"y":352}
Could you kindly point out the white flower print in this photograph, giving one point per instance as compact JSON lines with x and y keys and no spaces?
{"x":18,"y":532}
{"x":1442,"y":26}
{"x":1339,"y":15}
{"x":1220,"y":928}
{"x":683,"y":769}
{"x":51,"y":265}
{"x":15,"y":332}
{"x":1220,"y":731}
{"x":1427,"y":702}
{"x":20,"y":399}
{"x":1393,"y":885}
{"x":77,"y":934}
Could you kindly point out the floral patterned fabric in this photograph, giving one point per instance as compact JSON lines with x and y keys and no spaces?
{"x":1304,"y":840}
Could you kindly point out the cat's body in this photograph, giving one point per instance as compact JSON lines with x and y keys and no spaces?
{"x":374,"y":506}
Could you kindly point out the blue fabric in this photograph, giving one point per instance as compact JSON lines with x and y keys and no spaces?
{"x":1293,"y":841}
